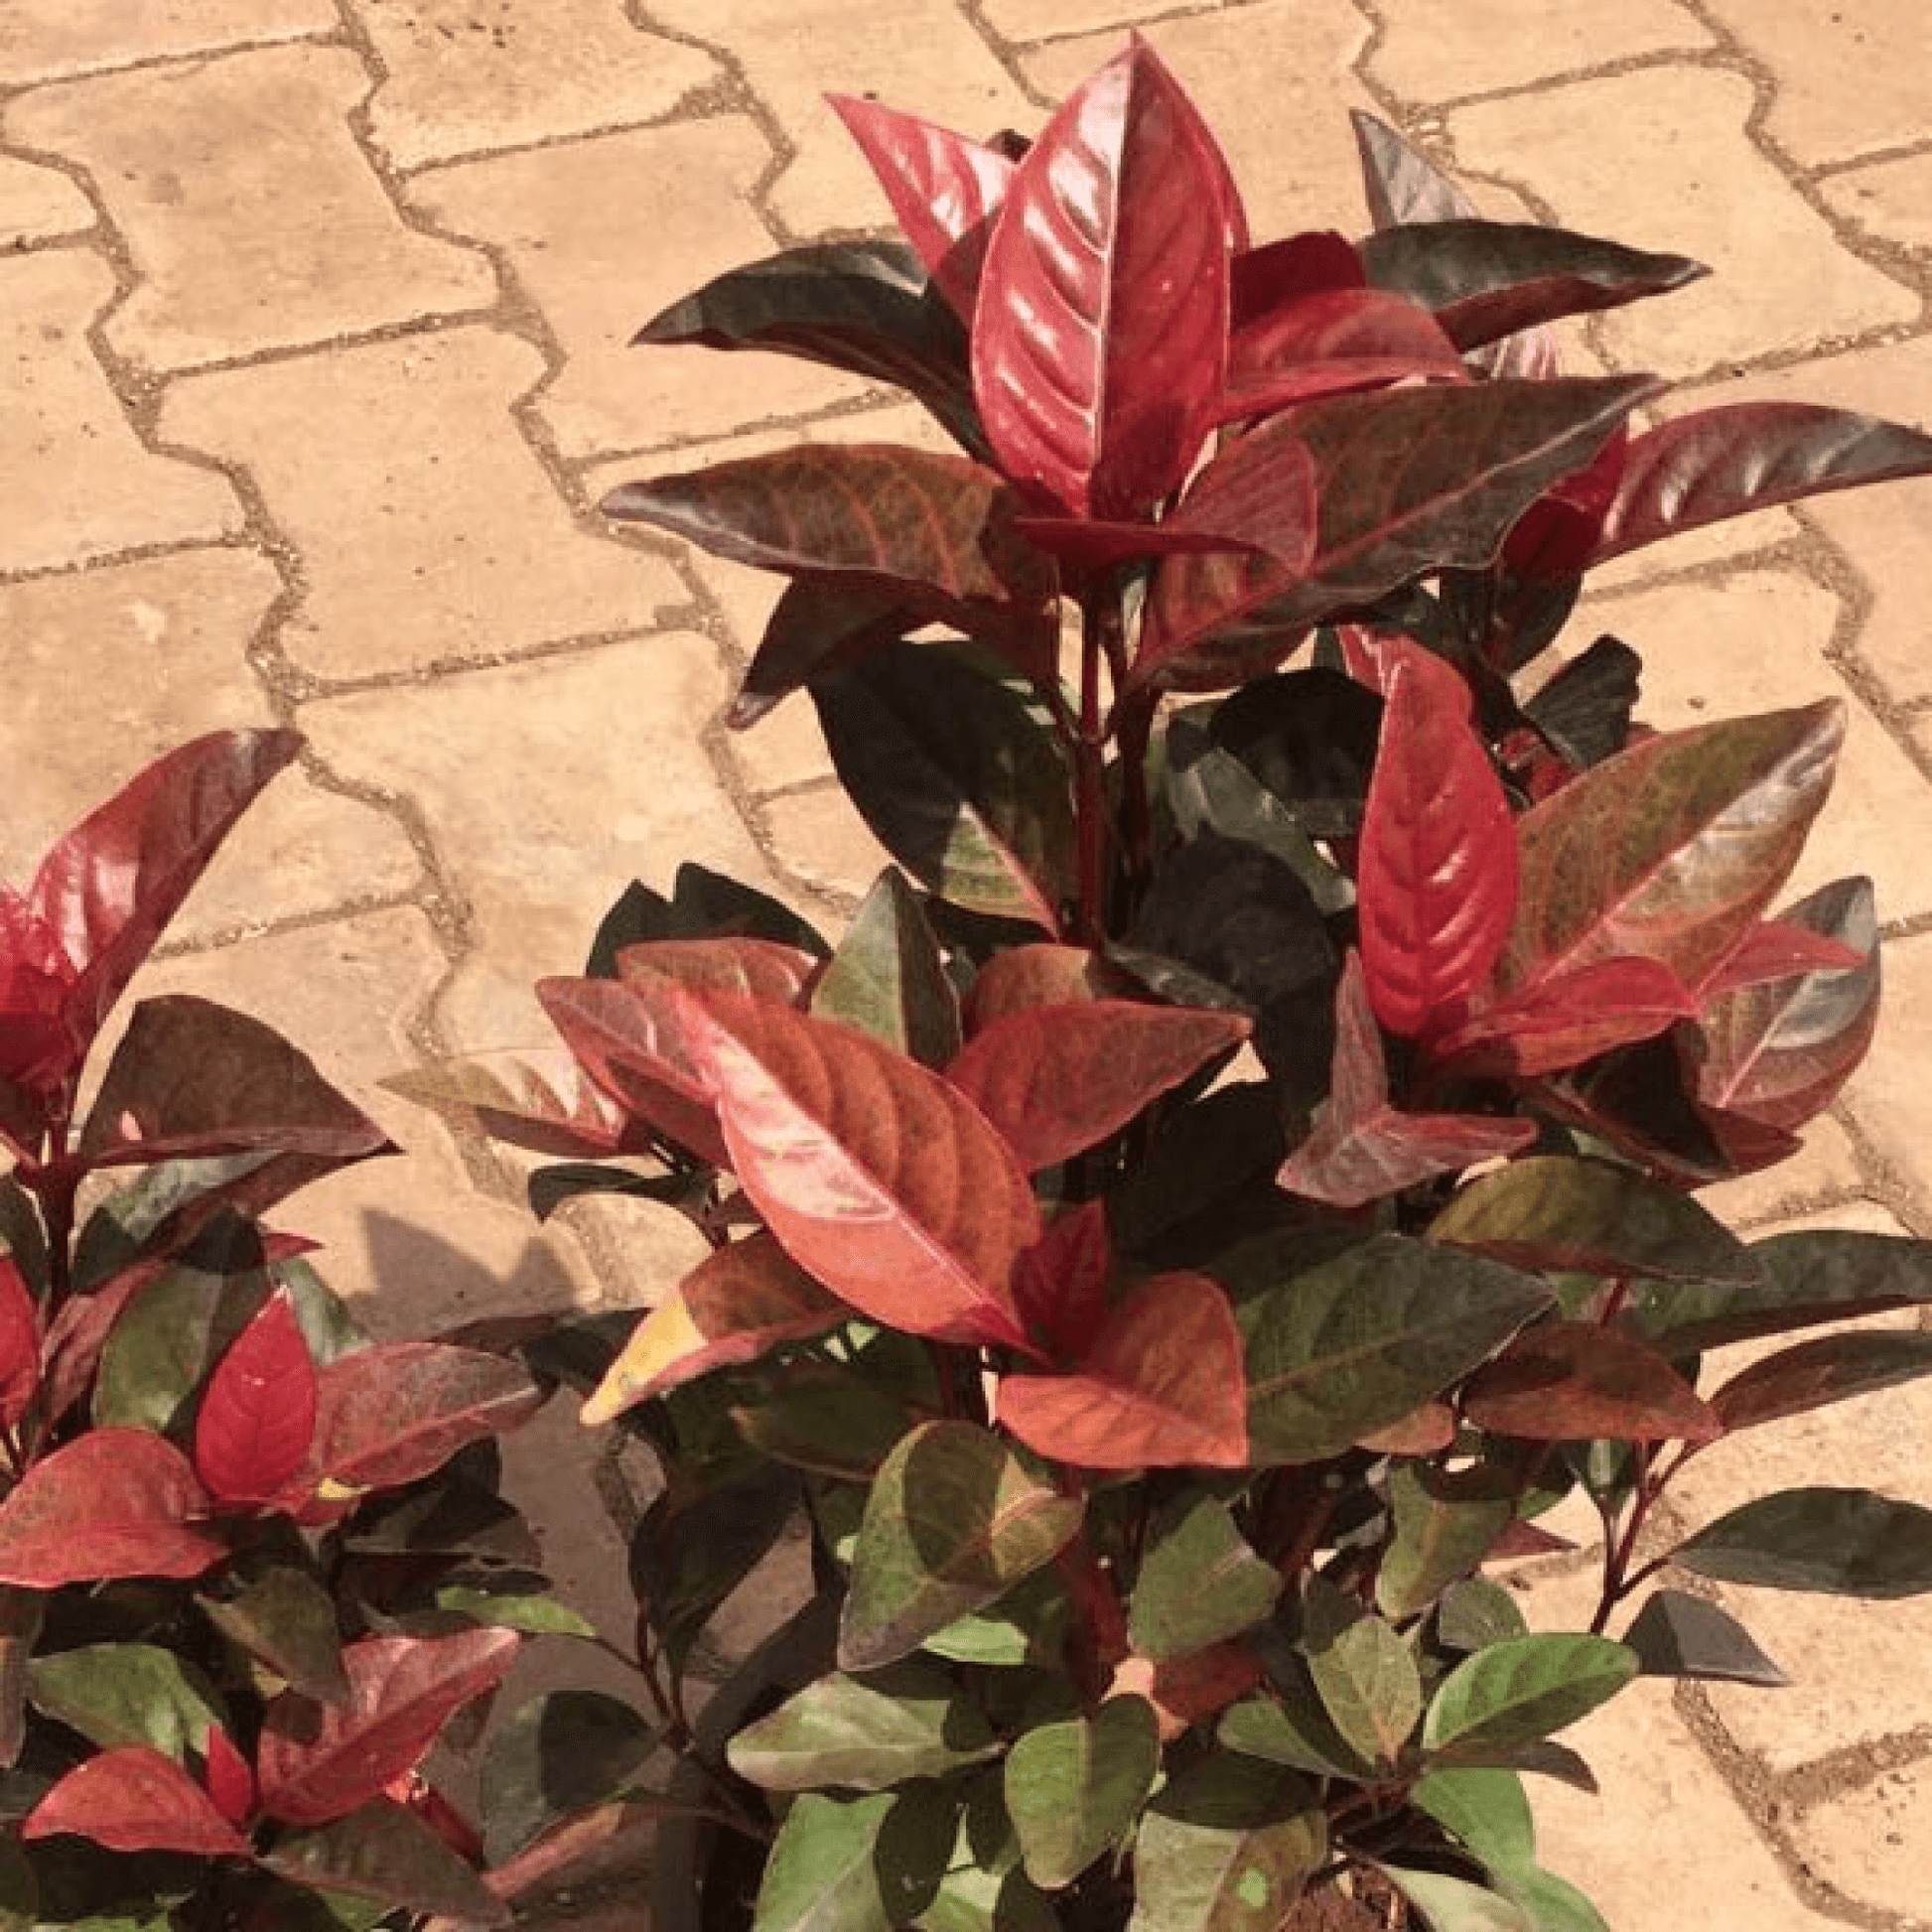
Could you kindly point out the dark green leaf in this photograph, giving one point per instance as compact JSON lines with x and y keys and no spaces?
{"x":164,"y":1344}
{"x":1445,"y":1523}
{"x":888,"y":976}
{"x":286,"y":1620}
{"x":514,"y":1600}
{"x":1028,"y":1625}
{"x":1291,"y":1728}
{"x":116,"y":1693}
{"x":1519,"y":1691}
{"x":985,"y":1889}
{"x":1840,"y":1542}
{"x":1476,"y":1613}
{"x":1677,"y":1635}
{"x":824,"y":1418}
{"x":855,"y":1865}
{"x":1308,"y":737}
{"x":1363,"y":1672}
{"x":558,"y":1756}
{"x":1073,"y":1789}
{"x":382,"y":1852}
{"x":1199,"y":1582}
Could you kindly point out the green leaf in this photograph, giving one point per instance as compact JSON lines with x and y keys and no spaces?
{"x":1294,"y":1729}
{"x":955,"y":1519}
{"x":1454,"y":1905}
{"x":116,"y":1693}
{"x":513,"y":1601}
{"x":1553,"y":1904}
{"x":1839,"y":1541}
{"x":985,"y":1889}
{"x":1199,"y":1582}
{"x":166,"y":1340}
{"x":1363,"y":1672}
{"x":1445,"y":1523}
{"x":1488,"y":1810}
{"x":888,"y":976}
{"x":287,"y":1620}
{"x":1227,"y":1847}
{"x":865,"y":1733}
{"x":822,"y":1417}
{"x":1028,"y":1625}
{"x":558,"y":1756}
{"x":1677,"y":1635}
{"x":1478,"y":1612}
{"x":1523,"y":1689}
{"x":855,"y":1865}
{"x":382,"y":1852}
{"x":1356,"y":1343}
{"x":1073,"y":1789}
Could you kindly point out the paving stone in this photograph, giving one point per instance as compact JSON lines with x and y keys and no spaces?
{"x":569,"y":218}
{"x":83,"y":484}
{"x":546,"y":788}
{"x":1695,"y":184}
{"x":820,"y":839}
{"x":1827,"y":1164}
{"x":38,"y":204}
{"x":1891,"y":200}
{"x":1755,"y":643}
{"x":465,"y":76}
{"x":429,"y":533}
{"x":43,"y":39}
{"x":1876,"y":1843}
{"x":119,"y":664}
{"x":1039,"y":20}
{"x":1887,"y":1095}
{"x":1276,"y":81}
{"x":1716,"y":543}
{"x":253,"y":219}
{"x":1845,"y":81}
{"x":1432,"y":51}
{"x":924,"y":59}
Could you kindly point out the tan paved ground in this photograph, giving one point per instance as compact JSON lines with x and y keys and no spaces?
{"x":311,"y":326}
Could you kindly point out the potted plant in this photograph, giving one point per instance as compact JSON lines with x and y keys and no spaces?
{"x":1236,"y":1173}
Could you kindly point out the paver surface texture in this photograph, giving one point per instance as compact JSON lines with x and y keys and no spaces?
{"x":311,"y":366}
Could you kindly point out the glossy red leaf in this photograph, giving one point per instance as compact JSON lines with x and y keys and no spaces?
{"x":1778,"y":949}
{"x":1325,"y":343}
{"x":107,"y":887}
{"x":114,"y":1503}
{"x":1054,"y":1080}
{"x":944,"y":190}
{"x":390,"y":1414}
{"x":538,"y":1098}
{"x":1288,"y":270}
{"x":1100,"y":335}
{"x":230,"y":1782}
{"x":1569,"y":1016}
{"x":257,"y":1416}
{"x":1438,"y":868}
{"x":1260,"y":491}
{"x":1017,"y":978}
{"x":20,"y":1342}
{"x":1362,"y":1149}
{"x":1670,"y":850}
{"x":317,"y":1761}
{"x":737,"y":1305}
{"x":1374,"y":657}
{"x":1161,"y":1387}
{"x":1061,"y":1280}
{"x":1574,"y":1382}
{"x":135,"y":1799}
{"x":1728,"y":461}
{"x":877,"y":1175}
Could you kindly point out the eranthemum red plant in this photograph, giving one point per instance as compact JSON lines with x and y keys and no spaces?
{"x":1236,"y":1173}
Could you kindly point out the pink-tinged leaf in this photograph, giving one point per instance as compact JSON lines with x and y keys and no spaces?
{"x":135,"y":1799}
{"x":1374,"y":657}
{"x":116,"y":1502}
{"x":1569,"y":1018}
{"x":538,"y":1098}
{"x":20,"y":1342}
{"x":1575,"y":1382}
{"x":230,"y":1782}
{"x":1438,"y":872}
{"x":107,"y":888}
{"x":1777,"y":949}
{"x":317,"y":1761}
{"x":1324,"y":344}
{"x":877,"y":1175}
{"x":1100,"y":335}
{"x":761,"y":969}
{"x":1429,"y":1432}
{"x":944,"y":190}
{"x":1017,"y":978}
{"x":1061,"y":1280}
{"x":1162,"y":1387}
{"x":1361,"y":1148}
{"x":734,"y":1306}
{"x":258,"y":1411}
{"x":1671,"y":849}
{"x":1522,"y":1538}
{"x":1728,"y":461}
{"x":390,"y":1414}
{"x":1054,"y":1080}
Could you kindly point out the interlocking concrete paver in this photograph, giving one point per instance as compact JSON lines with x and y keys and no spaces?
{"x":1436,"y":49}
{"x":1826,"y":1168}
{"x":160,"y":649}
{"x":1756,"y":643}
{"x":1891,"y":200}
{"x":924,"y":59}
{"x":465,"y":76}
{"x":40,"y":39}
{"x":81,"y":485}
{"x":1875,"y":1844}
{"x":1039,"y":20}
{"x":1275,"y":80}
{"x":1887,"y":1095}
{"x":1780,"y":278}
{"x":819,"y":838}
{"x":254,"y":221}
{"x":37,"y":204}
{"x":603,"y":233}
{"x":429,"y":532}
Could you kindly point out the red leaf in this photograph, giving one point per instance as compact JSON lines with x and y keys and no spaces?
{"x":1364,"y":1150}
{"x":764,"y":969}
{"x":1042,"y":975}
{"x":1054,"y":1080}
{"x":319,"y":1761}
{"x":1429,"y":1432}
{"x":116,"y":1502}
{"x":1777,"y":949}
{"x":734,"y":1306}
{"x":1061,"y":1281}
{"x":107,"y":888}
{"x":79,"y":1330}
{"x":1374,"y":657}
{"x":1262,"y":280}
{"x":390,"y":1414}
{"x":258,"y":1411}
{"x":1325,"y":343}
{"x":943,"y":187}
{"x":1162,"y":1387}
{"x":133,"y":1799}
{"x":1569,"y":1018}
{"x":1572,"y":1381}
{"x":1258,"y":493}
{"x":1438,"y":864}
{"x":20,"y":1342}
{"x":1100,"y":335}
{"x":230,"y":1783}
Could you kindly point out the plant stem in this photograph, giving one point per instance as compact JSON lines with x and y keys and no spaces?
{"x":1618,"y":1550}
{"x":1090,"y":768}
